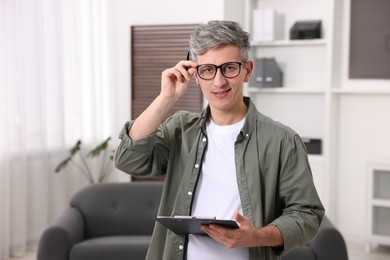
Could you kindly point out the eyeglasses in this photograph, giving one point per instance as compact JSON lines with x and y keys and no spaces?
{"x":229,"y":70}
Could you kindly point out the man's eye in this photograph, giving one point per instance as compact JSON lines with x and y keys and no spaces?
{"x":208,"y":69}
{"x":231,"y":67}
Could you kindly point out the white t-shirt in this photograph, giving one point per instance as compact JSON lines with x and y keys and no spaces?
{"x":217,"y":192}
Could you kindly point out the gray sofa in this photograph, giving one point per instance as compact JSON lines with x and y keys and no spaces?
{"x":115,"y":221}
{"x":104,"y":222}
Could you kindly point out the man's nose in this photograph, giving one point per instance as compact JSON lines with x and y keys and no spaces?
{"x":219,"y":79}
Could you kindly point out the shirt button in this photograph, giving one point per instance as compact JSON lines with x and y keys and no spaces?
{"x":247,"y":135}
{"x":181,"y":247}
{"x":204,"y":139}
{"x":196,"y":166}
{"x":189,"y":193}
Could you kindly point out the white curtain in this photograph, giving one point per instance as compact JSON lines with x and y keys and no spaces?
{"x":53,"y":91}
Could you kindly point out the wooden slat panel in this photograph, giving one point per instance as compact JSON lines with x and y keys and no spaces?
{"x":154,"y":49}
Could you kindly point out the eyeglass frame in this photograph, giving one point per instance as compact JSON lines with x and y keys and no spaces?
{"x":242,"y":63}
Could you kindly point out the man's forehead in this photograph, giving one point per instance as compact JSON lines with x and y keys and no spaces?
{"x":220,"y":54}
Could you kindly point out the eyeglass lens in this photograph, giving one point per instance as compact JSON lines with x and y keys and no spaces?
{"x":228,"y":70}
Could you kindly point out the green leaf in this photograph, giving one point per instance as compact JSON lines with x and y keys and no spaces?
{"x":63,"y":164}
{"x":72,"y":151}
{"x":75,"y":148}
{"x":100,"y":148}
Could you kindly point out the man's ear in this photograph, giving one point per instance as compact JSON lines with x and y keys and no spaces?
{"x":248,"y":70}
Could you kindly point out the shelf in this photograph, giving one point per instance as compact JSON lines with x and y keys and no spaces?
{"x":290,"y":90}
{"x":381,"y":203}
{"x":381,"y":239}
{"x":289,"y":43}
{"x":284,"y":90}
{"x":303,"y":102}
{"x":362,"y":91}
{"x":380,"y":221}
{"x":318,"y":98}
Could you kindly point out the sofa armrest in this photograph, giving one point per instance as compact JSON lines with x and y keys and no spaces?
{"x":329,"y":243}
{"x":57,"y":240}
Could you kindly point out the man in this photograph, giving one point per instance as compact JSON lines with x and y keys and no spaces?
{"x":230,"y":161}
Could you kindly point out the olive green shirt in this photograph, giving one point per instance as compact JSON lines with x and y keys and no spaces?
{"x":273,"y":176}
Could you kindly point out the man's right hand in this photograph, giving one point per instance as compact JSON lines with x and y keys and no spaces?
{"x":175,"y":81}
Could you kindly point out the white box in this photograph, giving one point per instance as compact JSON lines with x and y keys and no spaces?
{"x":267,"y":25}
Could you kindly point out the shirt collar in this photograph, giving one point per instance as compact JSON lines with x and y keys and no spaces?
{"x":250,"y":120}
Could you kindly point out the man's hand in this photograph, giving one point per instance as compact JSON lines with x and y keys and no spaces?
{"x":174,"y":81}
{"x":247,"y":235}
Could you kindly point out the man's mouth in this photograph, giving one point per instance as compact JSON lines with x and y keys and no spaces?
{"x":221,"y":93}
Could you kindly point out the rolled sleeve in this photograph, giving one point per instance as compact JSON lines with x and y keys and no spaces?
{"x":138,"y":157}
{"x":141,"y":145}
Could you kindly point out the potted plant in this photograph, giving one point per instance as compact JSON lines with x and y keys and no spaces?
{"x":106,"y":167}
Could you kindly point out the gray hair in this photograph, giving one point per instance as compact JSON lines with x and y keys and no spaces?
{"x":217,"y":34}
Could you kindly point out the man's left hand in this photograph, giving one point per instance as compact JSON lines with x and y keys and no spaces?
{"x":247,"y":235}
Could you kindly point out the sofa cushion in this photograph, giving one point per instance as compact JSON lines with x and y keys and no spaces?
{"x":114,"y":209}
{"x":112,"y":247}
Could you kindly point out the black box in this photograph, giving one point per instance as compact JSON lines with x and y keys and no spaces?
{"x":266,"y":73}
{"x":313,"y":146}
{"x":306,"y":30}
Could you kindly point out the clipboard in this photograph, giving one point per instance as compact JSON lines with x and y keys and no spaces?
{"x":191,"y":225}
